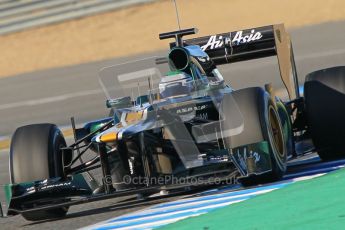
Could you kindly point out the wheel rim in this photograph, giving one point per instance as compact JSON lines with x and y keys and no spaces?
{"x":275,"y":128}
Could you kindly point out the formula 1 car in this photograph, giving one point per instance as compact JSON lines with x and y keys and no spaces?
{"x":175,"y":124}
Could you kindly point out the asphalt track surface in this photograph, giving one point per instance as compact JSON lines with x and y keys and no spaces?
{"x":156,"y":212}
{"x":55,"y":95}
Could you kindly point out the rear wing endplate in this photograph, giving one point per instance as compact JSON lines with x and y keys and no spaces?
{"x":250,"y":44}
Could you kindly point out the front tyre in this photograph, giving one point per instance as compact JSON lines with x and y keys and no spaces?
{"x":35,"y":155}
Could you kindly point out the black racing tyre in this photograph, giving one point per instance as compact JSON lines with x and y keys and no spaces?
{"x":35,"y":155}
{"x":324,"y":93}
{"x":261,"y":123}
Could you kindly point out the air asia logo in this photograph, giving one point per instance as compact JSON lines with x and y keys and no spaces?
{"x":218,"y":41}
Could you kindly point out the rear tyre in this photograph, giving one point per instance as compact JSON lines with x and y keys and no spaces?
{"x":261,"y":123}
{"x":35,"y":155}
{"x":324,"y":92}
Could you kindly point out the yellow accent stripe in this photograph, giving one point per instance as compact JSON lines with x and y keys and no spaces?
{"x":134,"y":116}
{"x":109,"y":137}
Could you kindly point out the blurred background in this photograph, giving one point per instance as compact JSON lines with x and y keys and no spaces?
{"x":51,"y":51}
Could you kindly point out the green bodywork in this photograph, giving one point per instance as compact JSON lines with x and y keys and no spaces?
{"x":96,"y":126}
{"x":172,"y":73}
{"x":8,"y":192}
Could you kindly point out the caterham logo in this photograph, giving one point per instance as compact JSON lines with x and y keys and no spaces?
{"x":218,"y":41}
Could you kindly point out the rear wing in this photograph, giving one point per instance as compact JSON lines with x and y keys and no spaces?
{"x":250,"y":44}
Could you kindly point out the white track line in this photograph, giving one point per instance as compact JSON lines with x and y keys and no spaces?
{"x":156,"y":217}
{"x":47,"y":100}
{"x":195,"y":201}
{"x":140,"y":226}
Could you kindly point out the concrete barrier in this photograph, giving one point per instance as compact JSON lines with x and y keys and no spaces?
{"x":20,"y":15}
